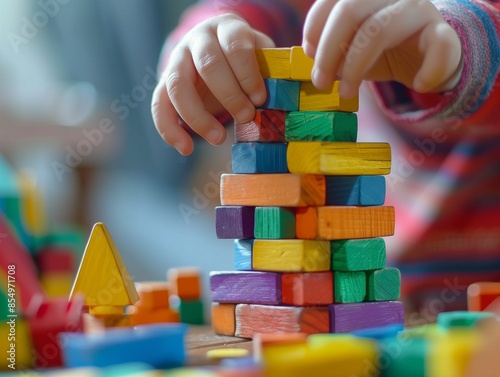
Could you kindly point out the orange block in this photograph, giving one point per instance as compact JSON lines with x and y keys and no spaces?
{"x":481,"y":295}
{"x":307,"y":289}
{"x":339,"y":222}
{"x":153,"y":294}
{"x":261,"y":341}
{"x":142,"y":316}
{"x":185,"y":282}
{"x":284,"y":190}
{"x":93,"y":324}
{"x":223,"y":320}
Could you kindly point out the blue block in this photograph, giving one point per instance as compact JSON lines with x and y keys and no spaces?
{"x":161,"y":346}
{"x":379,"y":333}
{"x":260,"y":158}
{"x":282,"y":95}
{"x":363,"y":190}
{"x":243,"y":255}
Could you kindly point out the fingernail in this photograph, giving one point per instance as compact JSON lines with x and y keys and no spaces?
{"x":308,"y":49}
{"x":346,"y":90}
{"x":214,"y":136}
{"x":319,"y":79}
{"x":244,"y":115}
{"x":257,"y":99}
{"x":179,"y":145}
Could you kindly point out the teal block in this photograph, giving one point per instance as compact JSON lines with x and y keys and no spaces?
{"x":384,"y":284}
{"x":282,"y":95}
{"x":358,"y":255}
{"x":349,"y":287}
{"x":4,"y":303}
{"x":321,"y":126}
{"x":363,"y":190}
{"x":274,"y":223}
{"x":403,"y":357}
{"x":242,"y":252}
{"x":449,"y":320}
{"x":191,"y":312}
{"x":9,"y":186}
{"x":259,"y":158}
{"x":129,"y":369}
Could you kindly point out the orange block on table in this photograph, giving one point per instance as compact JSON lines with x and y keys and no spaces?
{"x":306,"y":223}
{"x":223,"y":318}
{"x":142,"y":316}
{"x":93,"y":324}
{"x":185,"y":282}
{"x":153,"y":294}
{"x":307,"y":289}
{"x":481,"y":295}
{"x":283,"y":190}
{"x":261,"y":341}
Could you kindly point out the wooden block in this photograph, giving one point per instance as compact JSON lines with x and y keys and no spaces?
{"x":48,"y":318}
{"x":15,"y":347}
{"x":358,"y":255}
{"x":57,"y":284}
{"x":341,"y":223}
{"x":339,"y":158}
{"x":409,"y":361}
{"x":5,"y":308}
{"x":92,"y":325}
{"x":291,"y":255}
{"x":379,"y":333}
{"x":289,"y":190}
{"x":153,"y":294}
{"x":32,"y":206}
{"x":364,"y":190}
{"x":140,"y":315}
{"x":307,"y":289}
{"x":265,"y":319}
{"x":347,"y":318}
{"x":56,"y":259}
{"x":267,"y":126}
{"x":274,"y":62}
{"x":349,"y":286}
{"x":314,"y":99}
{"x":253,"y":287}
{"x":274,"y":223}
{"x":226,"y":353}
{"x":300,"y":64}
{"x":234,"y":221}
{"x":223,"y":318}
{"x":462,"y":319}
{"x":261,"y":341}
{"x":191,"y":312}
{"x":336,"y":223}
{"x":242,"y":253}
{"x":281,"y":95}
{"x":185,"y":282}
{"x":384,"y":284}
{"x":103,"y":278}
{"x":161,"y":346}
{"x":259,"y":158}
{"x":106,"y":311}
{"x":481,"y":295}
{"x":321,"y":126}
{"x":17,"y":266}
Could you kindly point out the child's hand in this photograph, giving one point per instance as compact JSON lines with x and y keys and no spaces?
{"x":402,"y":40}
{"x":211,"y":69}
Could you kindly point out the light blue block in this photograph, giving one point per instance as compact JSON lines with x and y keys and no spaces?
{"x":259,"y":158}
{"x":363,"y":190}
{"x":243,"y":254}
{"x":379,"y":333}
{"x":159,"y":345}
{"x":282,"y":95}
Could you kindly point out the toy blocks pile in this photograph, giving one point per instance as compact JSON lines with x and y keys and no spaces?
{"x":305,"y":207}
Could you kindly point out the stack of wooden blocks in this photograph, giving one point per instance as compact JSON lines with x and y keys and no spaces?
{"x":305,"y":207}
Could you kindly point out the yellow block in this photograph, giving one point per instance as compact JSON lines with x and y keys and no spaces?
{"x":314,"y":99}
{"x":343,"y":357}
{"x":291,"y":255}
{"x":106,"y":311}
{"x":16,"y":340}
{"x":274,"y":62}
{"x":57,"y":285}
{"x":102,"y":277}
{"x":339,"y":158}
{"x":449,"y":355}
{"x":31,"y":205}
{"x":301,"y":65}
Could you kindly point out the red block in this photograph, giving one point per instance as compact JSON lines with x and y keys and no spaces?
{"x":56,"y":259}
{"x":267,"y":126}
{"x":481,"y":295}
{"x":307,"y":289}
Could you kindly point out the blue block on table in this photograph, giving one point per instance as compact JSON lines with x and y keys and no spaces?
{"x":242,"y":252}
{"x":259,"y":158}
{"x":161,"y":346}
{"x":282,"y":95}
{"x":379,"y":333}
{"x":363,"y":190}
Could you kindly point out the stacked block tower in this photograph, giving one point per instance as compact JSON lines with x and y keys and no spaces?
{"x":305,"y":206}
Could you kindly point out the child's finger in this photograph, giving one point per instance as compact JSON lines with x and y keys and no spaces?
{"x":167,"y":122}
{"x":314,"y":24}
{"x":335,"y":40}
{"x":180,"y":82}
{"x":440,"y":42}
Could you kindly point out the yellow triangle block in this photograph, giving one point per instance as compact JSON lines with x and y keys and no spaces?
{"x":102,"y":277}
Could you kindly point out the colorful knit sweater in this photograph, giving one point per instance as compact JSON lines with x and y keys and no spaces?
{"x":445,"y":179}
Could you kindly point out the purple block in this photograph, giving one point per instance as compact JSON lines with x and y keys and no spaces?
{"x":234,"y":221}
{"x":252,"y":287}
{"x":345,"y":318}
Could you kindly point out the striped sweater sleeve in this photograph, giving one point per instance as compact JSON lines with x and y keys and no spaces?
{"x":475,"y":99}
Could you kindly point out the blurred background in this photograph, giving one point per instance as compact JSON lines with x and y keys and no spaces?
{"x":76,"y":79}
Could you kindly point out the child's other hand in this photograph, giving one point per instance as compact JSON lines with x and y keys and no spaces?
{"x":383,"y":40}
{"x":212,"y":68}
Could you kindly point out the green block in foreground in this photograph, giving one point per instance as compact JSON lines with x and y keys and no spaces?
{"x":358,"y":255}
{"x":349,"y":287}
{"x":384,"y":284}
{"x":274,"y":223}
{"x":321,"y":126}
{"x":191,"y":312}
{"x":403,"y":358}
{"x":449,"y":320}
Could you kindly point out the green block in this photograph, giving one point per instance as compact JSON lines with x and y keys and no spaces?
{"x":449,"y":320}
{"x":74,"y":238}
{"x":384,"y":284}
{"x":130,"y":369}
{"x":191,"y":312}
{"x":4,"y":302}
{"x":9,"y":186}
{"x":358,"y":255}
{"x":403,"y":357}
{"x":274,"y":223}
{"x":349,"y":286}
{"x":321,"y":126}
